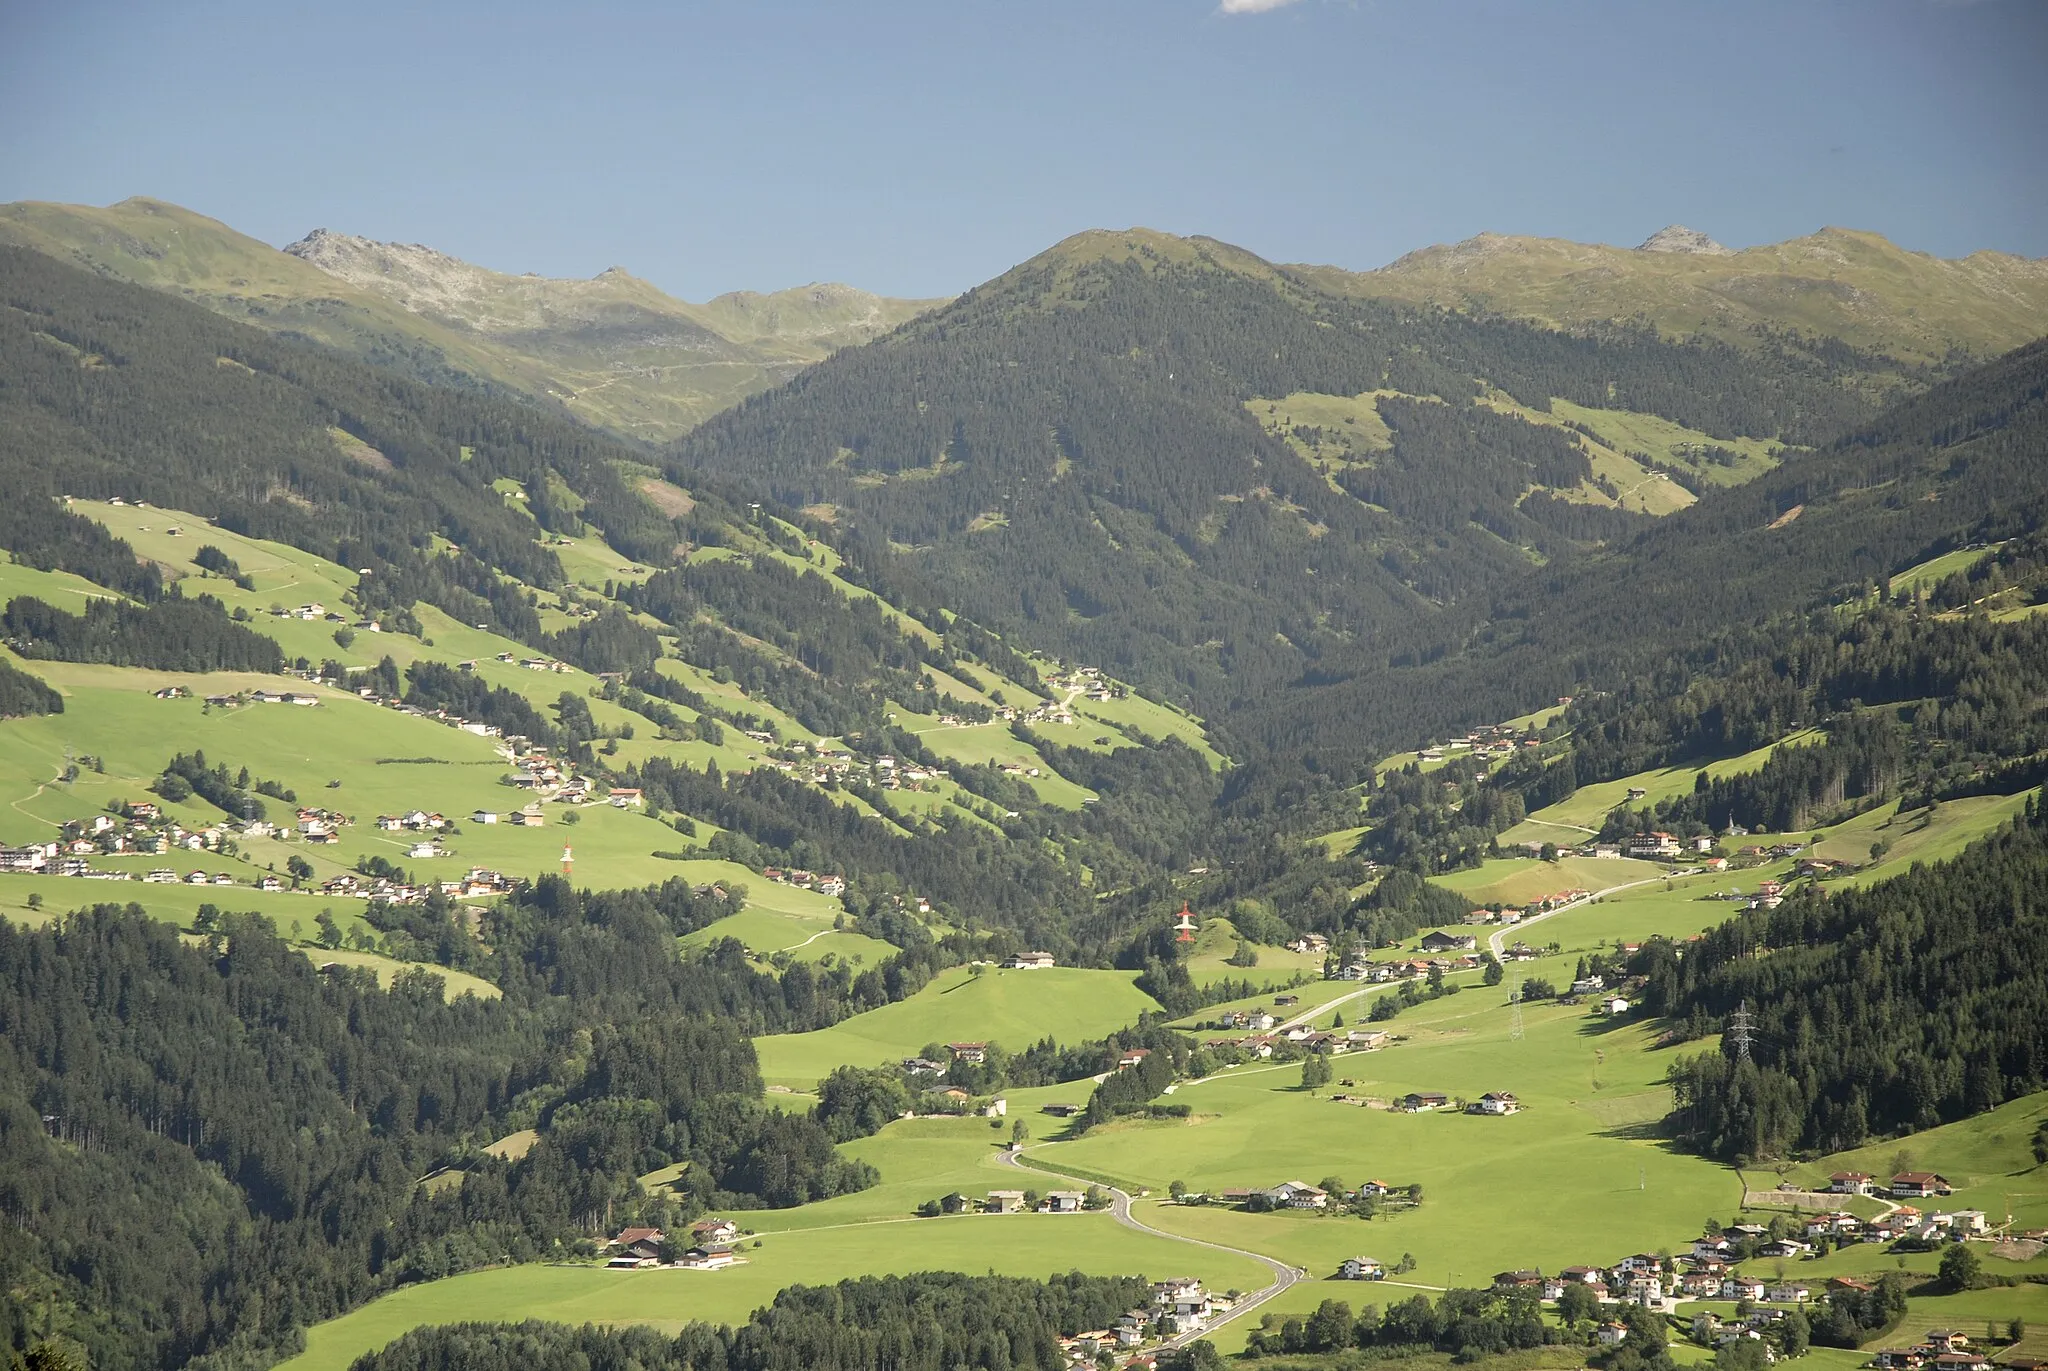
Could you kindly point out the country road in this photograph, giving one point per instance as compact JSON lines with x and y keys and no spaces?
{"x":1496,"y":942}
{"x":1284,"y":1276}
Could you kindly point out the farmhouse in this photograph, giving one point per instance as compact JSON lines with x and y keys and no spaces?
{"x":1298,"y":1195}
{"x":968,"y":1052}
{"x":1918,"y":1185}
{"x":1005,"y":1201}
{"x":629,"y":1237}
{"x":1028,"y":961}
{"x":1494,"y":1102}
{"x":1064,"y":1201}
{"x":638,"y":1255}
{"x":1652,"y":845}
{"x":1362,"y":1269}
{"x":1849,"y":1183}
{"x":1418,"y":1101}
{"x":1134,"y":1057}
{"x":709,"y":1258}
{"x":706,"y":1231}
{"x":1440,"y":941}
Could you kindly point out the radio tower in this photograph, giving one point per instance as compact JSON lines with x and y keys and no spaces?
{"x":1742,"y":1031}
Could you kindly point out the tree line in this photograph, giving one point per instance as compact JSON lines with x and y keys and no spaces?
{"x":1898,"y":1006}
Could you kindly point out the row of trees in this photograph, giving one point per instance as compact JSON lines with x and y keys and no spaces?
{"x":173,"y":634}
{"x":935,"y":1321}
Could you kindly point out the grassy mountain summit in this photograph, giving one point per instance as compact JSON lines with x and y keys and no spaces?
{"x":613,"y":350}
{"x":1172,"y":455}
{"x":1837,"y":283}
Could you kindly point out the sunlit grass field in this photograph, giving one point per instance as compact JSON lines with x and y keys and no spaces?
{"x":1020,"y":1245}
{"x":1014,"y":1008}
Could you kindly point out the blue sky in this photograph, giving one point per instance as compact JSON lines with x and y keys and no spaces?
{"x":919,"y":147}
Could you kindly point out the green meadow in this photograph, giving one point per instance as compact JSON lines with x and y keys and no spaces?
{"x":1632,"y":431}
{"x":1209,"y":960}
{"x":1021,"y":1245}
{"x":1935,"y":570}
{"x":806,"y":936}
{"x":1014,"y":1008}
{"x":1581,"y":1174}
{"x":1578,"y":817}
{"x":1985,"y":1158}
{"x":1518,"y":879}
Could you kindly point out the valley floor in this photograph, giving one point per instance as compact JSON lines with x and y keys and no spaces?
{"x":1579,"y":1175}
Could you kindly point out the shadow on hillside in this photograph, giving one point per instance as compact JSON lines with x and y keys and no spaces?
{"x":1647,"y":1130}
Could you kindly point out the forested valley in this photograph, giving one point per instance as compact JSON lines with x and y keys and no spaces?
{"x":211,"y":1141}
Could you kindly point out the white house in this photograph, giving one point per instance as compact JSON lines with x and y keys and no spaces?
{"x":1298,"y":1195}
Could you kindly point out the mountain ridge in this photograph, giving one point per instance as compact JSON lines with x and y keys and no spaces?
{"x":1850,"y":284}
{"x":614,"y":351}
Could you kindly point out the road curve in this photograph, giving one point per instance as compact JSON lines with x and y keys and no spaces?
{"x":1284,"y":1276}
{"x":1496,"y":942}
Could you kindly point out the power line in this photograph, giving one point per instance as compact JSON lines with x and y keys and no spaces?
{"x":1742,"y":1030}
{"x":1515,"y":1021}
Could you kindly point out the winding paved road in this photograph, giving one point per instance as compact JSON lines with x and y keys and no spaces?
{"x":1284,"y":1276}
{"x":1496,"y":942}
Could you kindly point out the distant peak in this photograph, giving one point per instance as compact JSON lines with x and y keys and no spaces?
{"x":1679,"y":238}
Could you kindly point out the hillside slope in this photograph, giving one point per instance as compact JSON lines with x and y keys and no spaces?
{"x":1171,"y":455}
{"x":1957,"y":466}
{"x":1837,"y":283}
{"x":613,"y":350}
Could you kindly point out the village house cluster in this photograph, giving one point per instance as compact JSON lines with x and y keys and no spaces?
{"x":316,"y":612}
{"x":1493,"y":742}
{"x":239,"y":698}
{"x":1706,"y":1270}
{"x":479,"y":882}
{"x":831,"y":886}
{"x":1024,"y":1201}
{"x":1262,"y":1031}
{"x":823,"y":763}
{"x":1300,"y":1195}
{"x":1445,"y":952}
{"x":1178,"y":1307}
{"x":713,"y":1246}
{"x":131,"y":828}
{"x":1949,"y":1350}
